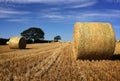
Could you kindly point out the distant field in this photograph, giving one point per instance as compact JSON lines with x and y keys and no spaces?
{"x":55,"y":62}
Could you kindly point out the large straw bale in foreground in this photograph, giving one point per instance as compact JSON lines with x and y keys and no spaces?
{"x":17,"y":42}
{"x":93,"y":40}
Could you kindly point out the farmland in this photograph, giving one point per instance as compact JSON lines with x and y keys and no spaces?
{"x":55,"y":62}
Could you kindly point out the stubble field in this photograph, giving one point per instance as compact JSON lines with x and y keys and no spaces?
{"x":55,"y":62}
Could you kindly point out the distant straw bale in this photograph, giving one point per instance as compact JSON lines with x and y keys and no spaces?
{"x":17,"y":42}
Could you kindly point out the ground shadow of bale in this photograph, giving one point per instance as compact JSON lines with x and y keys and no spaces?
{"x":26,"y":49}
{"x":116,"y":57}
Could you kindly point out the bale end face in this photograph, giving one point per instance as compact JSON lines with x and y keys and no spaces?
{"x":93,"y":40}
{"x":22,"y":43}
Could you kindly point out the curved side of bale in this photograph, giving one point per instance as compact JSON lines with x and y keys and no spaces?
{"x":17,"y":43}
{"x":93,"y":40}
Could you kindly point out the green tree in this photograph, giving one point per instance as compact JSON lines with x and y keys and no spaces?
{"x":57,"y":38}
{"x":33,"y":33}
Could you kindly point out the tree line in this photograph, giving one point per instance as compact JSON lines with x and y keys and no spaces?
{"x":33,"y":35}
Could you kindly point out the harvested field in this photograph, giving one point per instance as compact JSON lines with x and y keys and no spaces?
{"x":55,"y":62}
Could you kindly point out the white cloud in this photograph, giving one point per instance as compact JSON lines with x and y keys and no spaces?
{"x":53,"y":16}
{"x":107,"y":14}
{"x":110,"y":15}
{"x":3,"y":16}
{"x":95,"y":14}
{"x":47,"y":1}
{"x":13,"y":12}
{"x":5,"y":13}
{"x":113,"y":1}
{"x":87,"y":4}
{"x":114,"y":11}
{"x":17,"y":20}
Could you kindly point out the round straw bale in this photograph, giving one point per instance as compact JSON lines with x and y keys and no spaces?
{"x":17,"y":42}
{"x":93,"y":40}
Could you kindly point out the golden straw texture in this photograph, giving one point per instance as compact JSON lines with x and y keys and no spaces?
{"x":17,"y":43}
{"x":93,"y":40}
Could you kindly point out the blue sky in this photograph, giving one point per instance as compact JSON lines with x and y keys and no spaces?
{"x":56,"y":17}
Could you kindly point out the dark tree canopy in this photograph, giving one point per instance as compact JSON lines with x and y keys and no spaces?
{"x":3,"y":41}
{"x":57,"y":38}
{"x":33,"y":34}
